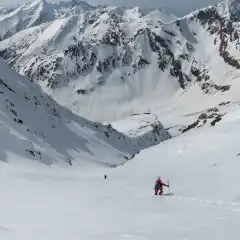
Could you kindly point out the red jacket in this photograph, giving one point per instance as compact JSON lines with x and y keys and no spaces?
{"x":161,"y":183}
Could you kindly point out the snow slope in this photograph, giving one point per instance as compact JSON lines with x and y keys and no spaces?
{"x":39,"y":202}
{"x":146,"y":128}
{"x":28,"y":15}
{"x":13,"y":20}
{"x":35,"y":127}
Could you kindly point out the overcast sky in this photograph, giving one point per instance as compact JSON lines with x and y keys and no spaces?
{"x":179,"y":7}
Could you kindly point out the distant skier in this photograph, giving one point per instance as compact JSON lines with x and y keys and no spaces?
{"x":159,"y":186}
{"x":105,"y":176}
{"x":69,"y":161}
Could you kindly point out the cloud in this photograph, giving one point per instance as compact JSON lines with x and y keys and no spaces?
{"x":179,"y":7}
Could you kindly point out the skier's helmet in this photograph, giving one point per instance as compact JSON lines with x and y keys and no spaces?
{"x":159,"y":177}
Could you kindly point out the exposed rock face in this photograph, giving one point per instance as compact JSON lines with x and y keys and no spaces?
{"x":211,"y":116}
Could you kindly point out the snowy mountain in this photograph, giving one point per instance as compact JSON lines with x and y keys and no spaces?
{"x":142,"y":72}
{"x":34,"y":126}
{"x":13,"y":20}
{"x":29,"y":15}
{"x":39,"y":202}
{"x":85,"y":51}
{"x":109,"y":63}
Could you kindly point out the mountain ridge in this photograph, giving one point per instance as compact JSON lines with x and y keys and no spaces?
{"x":95,"y":60}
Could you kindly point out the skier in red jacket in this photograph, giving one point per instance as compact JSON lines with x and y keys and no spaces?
{"x":159,"y":186}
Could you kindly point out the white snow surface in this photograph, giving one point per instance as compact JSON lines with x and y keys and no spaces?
{"x":136,"y":124}
{"x":59,"y":203}
{"x":34,"y":127}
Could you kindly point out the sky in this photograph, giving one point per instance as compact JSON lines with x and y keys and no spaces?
{"x":179,"y":7}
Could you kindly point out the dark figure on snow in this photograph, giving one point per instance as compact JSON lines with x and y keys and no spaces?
{"x":159,"y":186}
{"x":69,"y":161}
{"x":105,"y":176}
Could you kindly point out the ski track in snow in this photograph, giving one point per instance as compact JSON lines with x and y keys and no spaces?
{"x":60,"y":203}
{"x":215,"y":203}
{"x":234,"y":206}
{"x":57,"y":203}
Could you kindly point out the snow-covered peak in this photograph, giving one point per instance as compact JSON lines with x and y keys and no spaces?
{"x":4,"y":10}
{"x":36,"y":13}
{"x":41,"y":11}
{"x":161,"y":15}
{"x":68,"y":7}
{"x":25,"y":16}
{"x":227,"y":9}
{"x":35,"y":3}
{"x":107,"y":63}
{"x":74,"y":3}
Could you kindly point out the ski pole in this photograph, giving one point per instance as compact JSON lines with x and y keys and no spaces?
{"x":169,"y":187}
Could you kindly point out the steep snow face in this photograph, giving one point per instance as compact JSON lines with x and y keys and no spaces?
{"x":146,"y":127}
{"x":33,"y":126}
{"x":109,"y":63}
{"x":70,"y":8}
{"x":161,"y":15}
{"x":36,"y":13}
{"x":74,"y":4}
{"x":28,"y":15}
